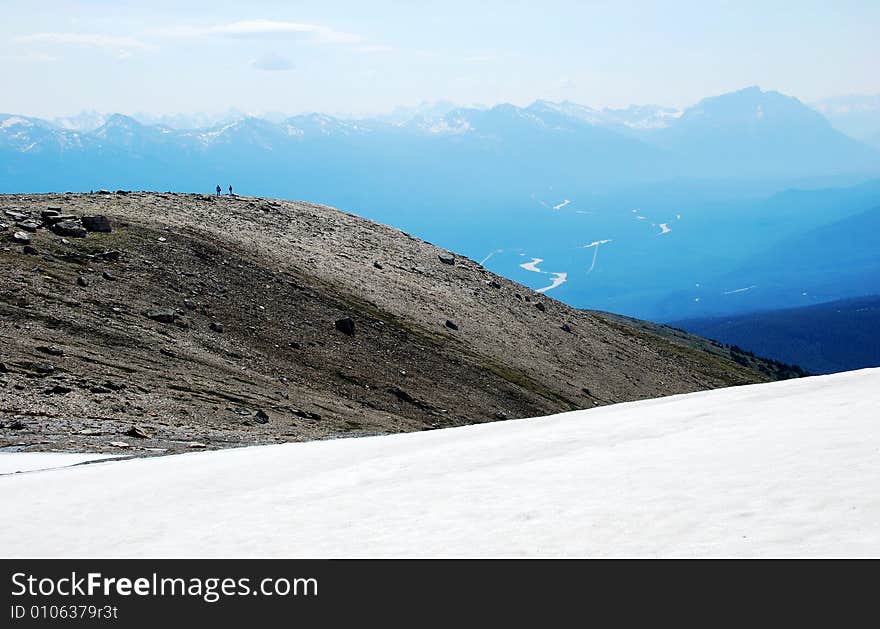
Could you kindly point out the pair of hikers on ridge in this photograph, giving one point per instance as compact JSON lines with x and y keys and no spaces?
{"x":219,"y":189}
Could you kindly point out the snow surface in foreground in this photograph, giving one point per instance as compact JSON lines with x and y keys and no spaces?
{"x":12,"y":462}
{"x":783,"y":469}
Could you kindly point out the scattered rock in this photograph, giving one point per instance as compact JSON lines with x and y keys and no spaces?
{"x":107,"y":275}
{"x":30,"y":226}
{"x":540,"y":306}
{"x":96,"y":223}
{"x":15,"y":424}
{"x":30,"y":250}
{"x":446,"y":258}
{"x":162,"y":316}
{"x":90,"y":432}
{"x":137,"y":432}
{"x":216,"y":327}
{"x":377,"y":265}
{"x":111,"y":256}
{"x":162,"y":239}
{"x":196,"y":445}
{"x":346,"y":326}
{"x":261,"y":416}
{"x":82,"y":280}
{"x":494,"y":284}
{"x":52,"y":350}
{"x":43,"y":368}
{"x":566,"y":327}
{"x":59,"y":389}
{"x":70,"y":227}
{"x":4,"y":368}
{"x":119,"y":444}
{"x":306,"y":414}
{"x":449,"y":324}
{"x":21,"y":237}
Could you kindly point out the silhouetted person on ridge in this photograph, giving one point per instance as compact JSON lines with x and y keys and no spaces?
{"x":230,"y":189}
{"x":218,"y":189}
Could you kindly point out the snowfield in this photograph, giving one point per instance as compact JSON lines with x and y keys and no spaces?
{"x":789,"y":469}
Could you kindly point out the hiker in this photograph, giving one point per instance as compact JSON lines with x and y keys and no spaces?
{"x":218,"y":189}
{"x":230,"y":189}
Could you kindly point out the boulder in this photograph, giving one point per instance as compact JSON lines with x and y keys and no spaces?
{"x":51,"y":219}
{"x":21,"y":237}
{"x":449,"y":324}
{"x":346,"y":326}
{"x":216,"y":327}
{"x":16,"y":216}
{"x":447,"y":258}
{"x":162,"y":316}
{"x":111,"y":256}
{"x":261,"y":416}
{"x":138,"y":433}
{"x":98,"y":223}
{"x":107,"y":275}
{"x":540,"y":306}
{"x":70,"y":227}
{"x":29,"y":225}
{"x":30,"y":250}
{"x":82,"y":280}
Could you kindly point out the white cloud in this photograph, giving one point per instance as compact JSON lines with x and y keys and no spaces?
{"x":262,"y":29}
{"x":374,"y":49}
{"x":91,"y":40}
{"x":272,"y":62}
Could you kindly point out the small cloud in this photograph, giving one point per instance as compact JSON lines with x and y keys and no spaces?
{"x":374,"y":49}
{"x":272,"y":62}
{"x":564,"y":84}
{"x":262,"y":29}
{"x":480,"y":58}
{"x":121,"y":45}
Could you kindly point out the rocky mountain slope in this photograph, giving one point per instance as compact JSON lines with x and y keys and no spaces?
{"x":201,"y":321}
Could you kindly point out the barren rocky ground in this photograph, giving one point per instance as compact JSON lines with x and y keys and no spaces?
{"x":208,"y":322}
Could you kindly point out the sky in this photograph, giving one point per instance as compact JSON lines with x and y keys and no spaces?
{"x":358,"y":58}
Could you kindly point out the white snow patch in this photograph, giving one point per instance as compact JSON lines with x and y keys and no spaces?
{"x":12,"y":462}
{"x":533,"y":265}
{"x":596,"y":244}
{"x":14,"y":121}
{"x":786,"y":469}
{"x":558,"y":279}
{"x":739,"y":290}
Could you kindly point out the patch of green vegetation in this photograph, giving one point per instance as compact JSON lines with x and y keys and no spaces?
{"x":714,"y":363}
{"x":525,"y":382}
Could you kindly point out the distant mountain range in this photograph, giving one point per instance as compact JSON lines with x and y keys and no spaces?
{"x":615,"y":204}
{"x":857,"y":116}
{"x":749,"y":133}
{"x":825,"y":338}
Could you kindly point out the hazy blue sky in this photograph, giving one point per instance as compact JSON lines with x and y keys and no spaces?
{"x":359,"y":57}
